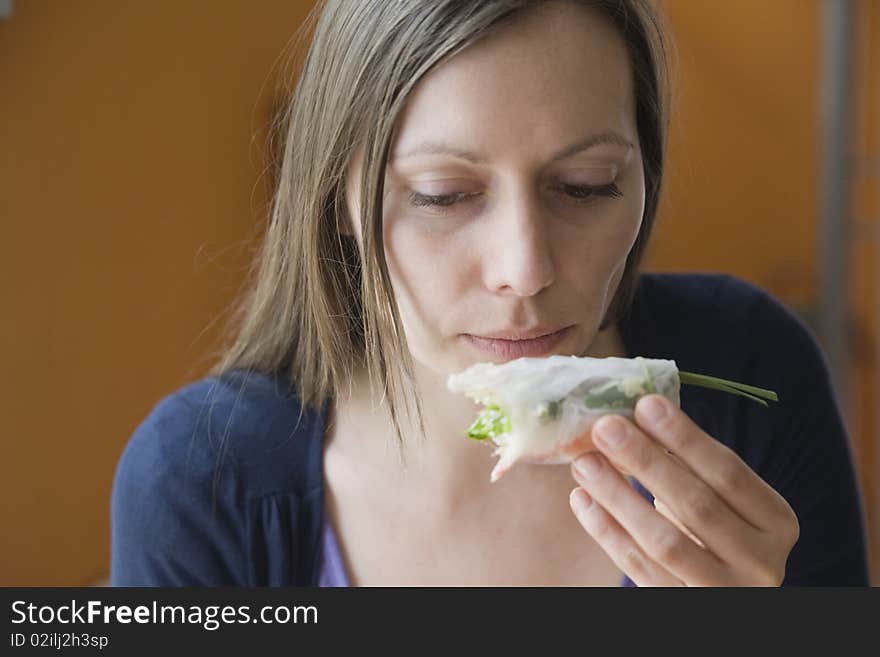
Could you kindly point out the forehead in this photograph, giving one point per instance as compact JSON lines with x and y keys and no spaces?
{"x":555,"y":74}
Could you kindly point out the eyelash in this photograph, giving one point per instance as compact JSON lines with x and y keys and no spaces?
{"x":578,"y":193}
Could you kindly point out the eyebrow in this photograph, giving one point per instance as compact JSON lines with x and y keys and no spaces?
{"x":442,"y":148}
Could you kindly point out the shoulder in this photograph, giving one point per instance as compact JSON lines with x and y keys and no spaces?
{"x":249,"y":427}
{"x":209,"y":488}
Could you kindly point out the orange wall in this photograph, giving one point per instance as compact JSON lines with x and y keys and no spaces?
{"x":129,"y":183}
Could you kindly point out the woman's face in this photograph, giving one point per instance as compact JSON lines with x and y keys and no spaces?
{"x":514,"y":191}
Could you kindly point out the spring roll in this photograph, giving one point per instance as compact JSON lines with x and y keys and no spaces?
{"x":543,"y":409}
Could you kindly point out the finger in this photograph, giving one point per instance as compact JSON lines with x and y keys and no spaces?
{"x":692,"y":501}
{"x":667,"y":513}
{"x":716,"y":464}
{"x":619,"y":545}
{"x":675,"y":458}
{"x":656,"y":536}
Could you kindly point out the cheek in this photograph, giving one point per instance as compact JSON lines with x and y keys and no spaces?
{"x":427,"y":268}
{"x":598,"y":249}
{"x":622,"y":238}
{"x":621,"y":230}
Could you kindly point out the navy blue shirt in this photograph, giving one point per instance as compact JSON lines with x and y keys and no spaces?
{"x":222,"y":484}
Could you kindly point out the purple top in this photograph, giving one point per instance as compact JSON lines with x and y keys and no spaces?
{"x":332,"y":567}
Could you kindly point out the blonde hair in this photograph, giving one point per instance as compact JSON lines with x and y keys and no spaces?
{"x":315,"y":310}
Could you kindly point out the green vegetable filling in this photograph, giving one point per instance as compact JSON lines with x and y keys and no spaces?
{"x":490,"y":423}
{"x":612,"y":397}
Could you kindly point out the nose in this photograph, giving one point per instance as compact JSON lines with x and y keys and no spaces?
{"x":518,"y":255}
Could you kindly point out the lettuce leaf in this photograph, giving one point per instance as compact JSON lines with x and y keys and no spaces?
{"x":490,"y":423}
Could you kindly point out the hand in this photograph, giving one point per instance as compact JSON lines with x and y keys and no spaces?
{"x":716,"y":522}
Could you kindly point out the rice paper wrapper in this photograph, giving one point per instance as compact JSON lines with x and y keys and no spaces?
{"x":550,"y":404}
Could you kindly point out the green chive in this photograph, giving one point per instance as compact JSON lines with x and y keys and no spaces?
{"x":714,"y":383}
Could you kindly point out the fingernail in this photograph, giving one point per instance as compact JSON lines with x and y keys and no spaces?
{"x":580,"y":500}
{"x":612,"y":432}
{"x":588,"y":466}
{"x":652,"y":408}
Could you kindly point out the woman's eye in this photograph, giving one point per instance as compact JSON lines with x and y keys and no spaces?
{"x":578,"y":193}
{"x":582,"y":193}
{"x":439,"y":200}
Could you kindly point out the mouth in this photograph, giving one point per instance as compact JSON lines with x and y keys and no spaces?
{"x":534,"y":344}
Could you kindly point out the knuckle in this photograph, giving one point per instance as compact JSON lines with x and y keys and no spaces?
{"x":786,"y":516}
{"x":795,"y":531}
{"x":785,"y":508}
{"x":631,"y":561}
{"x":600,"y":528}
{"x":792,"y":532}
{"x":639,"y":457}
{"x":730,"y":476}
{"x":670,"y":547}
{"x":702,"y":507}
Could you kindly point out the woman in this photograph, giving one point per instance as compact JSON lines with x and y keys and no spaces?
{"x":458,"y":180}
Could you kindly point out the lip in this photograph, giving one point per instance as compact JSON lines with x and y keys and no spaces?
{"x":510,"y":349}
